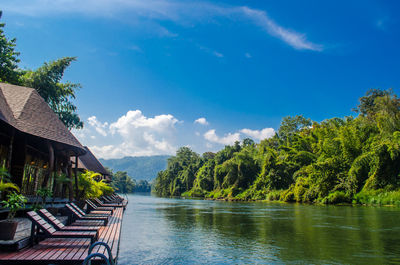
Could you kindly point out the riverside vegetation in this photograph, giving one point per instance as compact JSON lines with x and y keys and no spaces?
{"x":123,"y":183}
{"x":339,"y":160}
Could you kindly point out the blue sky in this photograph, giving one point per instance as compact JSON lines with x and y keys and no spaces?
{"x":150,"y":69}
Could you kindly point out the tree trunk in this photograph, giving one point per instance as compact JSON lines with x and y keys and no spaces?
{"x":51,"y":164}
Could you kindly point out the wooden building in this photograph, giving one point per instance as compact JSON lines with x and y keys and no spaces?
{"x":35,"y":146}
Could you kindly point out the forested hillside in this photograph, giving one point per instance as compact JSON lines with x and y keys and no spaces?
{"x":351,"y":159}
{"x":138,"y":167}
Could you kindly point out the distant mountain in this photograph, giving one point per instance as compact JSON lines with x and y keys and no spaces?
{"x":138,"y":167}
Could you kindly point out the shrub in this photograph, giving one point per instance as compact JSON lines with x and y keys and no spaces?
{"x":89,"y":187}
{"x":378,"y":197}
{"x":274,"y":195}
{"x":336,"y":197}
{"x":287,"y":196}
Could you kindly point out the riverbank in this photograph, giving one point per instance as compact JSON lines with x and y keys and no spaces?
{"x":369,"y":197}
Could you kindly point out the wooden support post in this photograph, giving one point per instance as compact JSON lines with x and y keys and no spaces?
{"x":32,"y":238}
{"x":51,"y":164}
{"x":76,"y":178}
{"x":56,"y":168}
{"x":18,"y":159}
{"x":70,"y":186}
{"x":10,"y":150}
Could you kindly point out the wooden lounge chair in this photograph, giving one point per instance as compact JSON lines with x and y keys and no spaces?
{"x":51,"y":219}
{"x":88,"y":223}
{"x":77,"y":215}
{"x":114,"y":198}
{"x":99,"y":203}
{"x":92,"y":213}
{"x":118,"y":198}
{"x":94,"y":207}
{"x":108,"y":199}
{"x":50,"y":232}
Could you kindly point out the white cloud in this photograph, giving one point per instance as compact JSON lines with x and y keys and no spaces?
{"x":259,"y":134}
{"x":80,"y":134}
{"x":107,"y":151}
{"x":135,"y":48}
{"x":294,"y":39}
{"x":227,"y":139}
{"x":101,"y":128}
{"x":217,"y":54}
{"x":145,"y":136}
{"x":210,"y":51}
{"x":133,"y":134}
{"x":150,"y":11}
{"x":231,"y":138}
{"x":201,"y":121}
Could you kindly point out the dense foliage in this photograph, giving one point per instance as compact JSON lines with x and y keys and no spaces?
{"x":8,"y":58}
{"x":138,"y":167}
{"x":91,"y":186}
{"x":123,"y":183}
{"x":46,"y":80}
{"x":337,"y":160}
{"x":142,"y":186}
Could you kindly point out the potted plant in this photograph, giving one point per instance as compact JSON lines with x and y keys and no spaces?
{"x":14,"y":203}
{"x":42,"y":194}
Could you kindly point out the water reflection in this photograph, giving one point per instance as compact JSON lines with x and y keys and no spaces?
{"x":175,"y":231}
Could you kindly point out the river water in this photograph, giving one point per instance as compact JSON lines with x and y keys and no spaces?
{"x":181,"y":231}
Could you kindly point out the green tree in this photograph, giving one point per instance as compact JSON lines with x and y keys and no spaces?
{"x":9,"y":72}
{"x":47,"y":81}
{"x":89,"y":186}
{"x":121,"y":182}
{"x":142,"y":186}
{"x":367,"y":106}
{"x":291,"y":125}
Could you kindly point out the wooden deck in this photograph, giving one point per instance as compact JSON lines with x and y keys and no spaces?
{"x":68,"y":250}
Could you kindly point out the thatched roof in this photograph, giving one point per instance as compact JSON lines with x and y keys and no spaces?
{"x":89,"y":161}
{"x":24,"y":109}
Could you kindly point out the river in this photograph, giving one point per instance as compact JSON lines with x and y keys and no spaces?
{"x":181,"y":231}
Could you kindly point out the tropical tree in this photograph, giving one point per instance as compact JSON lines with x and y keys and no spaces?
{"x":9,"y":71}
{"x":47,"y":81}
{"x":89,"y":186}
{"x":121,"y":182}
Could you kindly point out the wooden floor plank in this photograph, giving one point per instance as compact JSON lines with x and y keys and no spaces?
{"x":55,"y":250}
{"x":79,"y":244}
